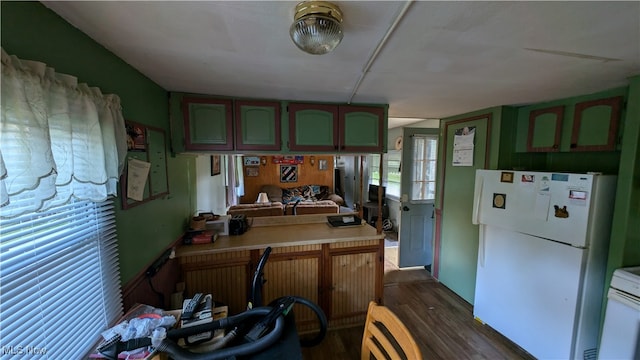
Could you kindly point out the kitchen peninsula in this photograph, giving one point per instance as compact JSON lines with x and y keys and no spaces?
{"x":341,"y":269}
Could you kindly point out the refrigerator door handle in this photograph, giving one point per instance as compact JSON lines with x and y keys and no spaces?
{"x":477,"y":196}
{"x":481,"y":243}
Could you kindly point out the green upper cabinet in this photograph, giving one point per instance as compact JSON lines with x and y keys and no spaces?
{"x":207,"y":124}
{"x":331,"y":128}
{"x":545,"y":128}
{"x":257,"y":125}
{"x":362,"y":128}
{"x":583,"y":123}
{"x":595,"y":125}
{"x":313,"y":127}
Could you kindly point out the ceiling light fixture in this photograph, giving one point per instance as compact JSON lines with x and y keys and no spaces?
{"x":317,"y":27}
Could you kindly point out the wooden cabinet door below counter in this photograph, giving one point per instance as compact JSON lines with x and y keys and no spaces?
{"x":353,"y":280}
{"x":296,"y":275}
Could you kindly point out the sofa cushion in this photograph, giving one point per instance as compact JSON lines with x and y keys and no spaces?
{"x":295,"y":194}
{"x":315,"y":207}
{"x":274,"y":192}
{"x":257,"y":210}
{"x":305,"y":193}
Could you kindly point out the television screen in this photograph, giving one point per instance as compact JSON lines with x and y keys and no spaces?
{"x":373,"y":193}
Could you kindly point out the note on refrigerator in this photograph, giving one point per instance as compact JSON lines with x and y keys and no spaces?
{"x":541,"y":209}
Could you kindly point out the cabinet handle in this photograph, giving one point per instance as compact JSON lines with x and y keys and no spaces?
{"x":573,"y":146}
{"x":555,"y":146}
{"x":343,"y":147}
{"x":336,"y":147}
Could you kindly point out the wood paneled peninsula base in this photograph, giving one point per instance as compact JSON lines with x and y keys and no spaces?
{"x":340,"y":269}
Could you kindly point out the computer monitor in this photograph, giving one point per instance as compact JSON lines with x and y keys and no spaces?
{"x":373,"y":193}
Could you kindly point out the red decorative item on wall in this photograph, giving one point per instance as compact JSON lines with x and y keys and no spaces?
{"x":288,"y":159}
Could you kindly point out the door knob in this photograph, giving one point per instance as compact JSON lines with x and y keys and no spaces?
{"x":405,"y":208}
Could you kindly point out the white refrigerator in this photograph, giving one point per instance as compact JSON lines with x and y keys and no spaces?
{"x":543,"y":245}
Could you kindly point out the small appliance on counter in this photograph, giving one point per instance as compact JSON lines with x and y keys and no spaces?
{"x":238,"y":224}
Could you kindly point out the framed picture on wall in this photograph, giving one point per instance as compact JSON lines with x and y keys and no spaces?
{"x":215,"y":165}
{"x":288,"y":173}
{"x":322,"y":164}
{"x":135,"y":137}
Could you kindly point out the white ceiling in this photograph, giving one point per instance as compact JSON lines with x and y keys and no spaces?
{"x":442,"y":58}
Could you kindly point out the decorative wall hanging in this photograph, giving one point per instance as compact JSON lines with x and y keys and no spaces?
{"x":215,"y":165}
{"x":252,"y":171}
{"x":288,"y":173}
{"x":251,"y":161}
{"x":288,"y":159}
{"x":135,"y":137}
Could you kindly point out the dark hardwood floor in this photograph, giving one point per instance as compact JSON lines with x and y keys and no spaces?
{"x":440,"y":321}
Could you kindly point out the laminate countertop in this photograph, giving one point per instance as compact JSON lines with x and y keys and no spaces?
{"x":280,"y":231}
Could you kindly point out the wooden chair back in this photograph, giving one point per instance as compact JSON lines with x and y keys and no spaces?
{"x":385,"y":333}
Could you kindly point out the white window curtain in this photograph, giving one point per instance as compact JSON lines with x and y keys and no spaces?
{"x":60,"y":139}
{"x":62,"y":147}
{"x":235,"y":179}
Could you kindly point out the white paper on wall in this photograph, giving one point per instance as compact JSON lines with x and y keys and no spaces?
{"x":463,"y":146}
{"x":137,"y":173}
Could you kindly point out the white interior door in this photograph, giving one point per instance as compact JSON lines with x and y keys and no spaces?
{"x":418,"y":189}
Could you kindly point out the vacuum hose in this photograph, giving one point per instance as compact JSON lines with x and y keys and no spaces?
{"x":322,"y":319}
{"x":179,"y":353}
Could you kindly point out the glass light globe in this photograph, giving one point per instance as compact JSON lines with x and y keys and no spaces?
{"x":316,"y":34}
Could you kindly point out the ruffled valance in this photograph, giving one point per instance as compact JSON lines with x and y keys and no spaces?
{"x":59,"y":139}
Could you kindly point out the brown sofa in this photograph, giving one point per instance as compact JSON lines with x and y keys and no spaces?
{"x":257,"y":210}
{"x":306,"y":193}
{"x":310,"y":199}
{"x":315,"y":207}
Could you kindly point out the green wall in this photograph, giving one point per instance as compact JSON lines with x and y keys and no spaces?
{"x":33,"y":32}
{"x":458,"y":253}
{"x":624,"y":249}
{"x":459,"y":237}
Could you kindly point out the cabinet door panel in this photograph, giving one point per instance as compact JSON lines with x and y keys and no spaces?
{"x":352,"y":274}
{"x":313,"y":127}
{"x":361,"y":129}
{"x":207,"y":124}
{"x":294,"y":276}
{"x":545,"y":127}
{"x":595,"y":125}
{"x":257,"y":125}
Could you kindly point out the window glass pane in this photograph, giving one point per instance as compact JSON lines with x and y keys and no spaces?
{"x":423,"y":167}
{"x":391,"y":163}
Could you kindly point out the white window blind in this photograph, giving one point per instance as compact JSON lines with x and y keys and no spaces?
{"x":59,"y":280}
